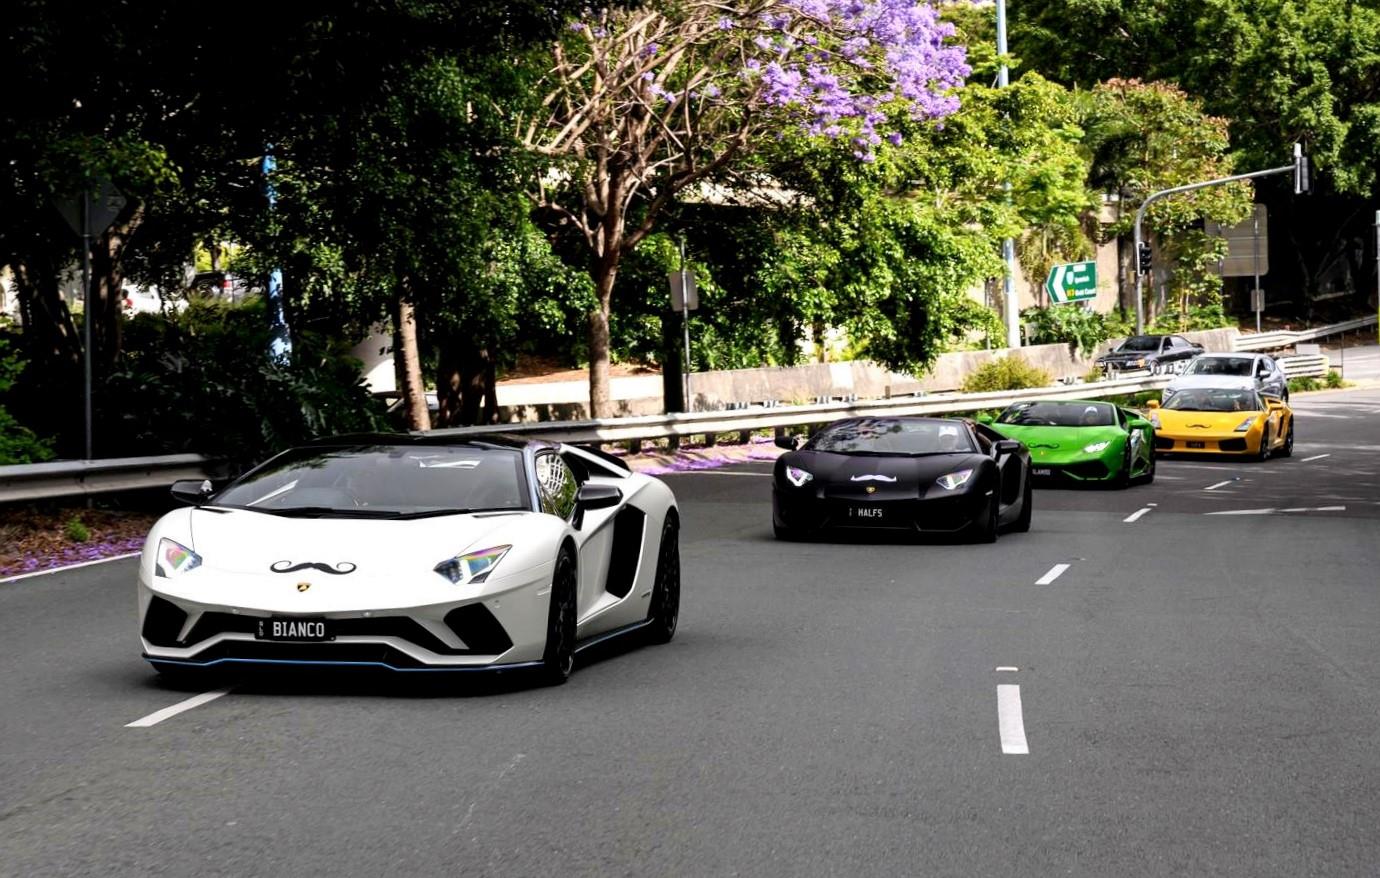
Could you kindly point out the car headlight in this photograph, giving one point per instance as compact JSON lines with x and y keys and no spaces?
{"x":797,"y":476}
{"x":1246,"y":424}
{"x":952,"y":481}
{"x":472,"y":568}
{"x":1096,"y":447}
{"x":174,"y":559}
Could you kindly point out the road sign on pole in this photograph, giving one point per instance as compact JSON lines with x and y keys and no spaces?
{"x":1072,"y":282}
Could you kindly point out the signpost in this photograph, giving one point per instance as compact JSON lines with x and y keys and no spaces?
{"x":684,"y":299}
{"x":89,"y":215}
{"x":1072,"y":282}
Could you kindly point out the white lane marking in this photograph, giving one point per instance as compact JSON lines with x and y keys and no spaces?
{"x":1219,"y":485}
{"x":1311,"y":413}
{"x":1054,"y":573}
{"x":1315,"y":457}
{"x":158,"y":716}
{"x":1007,"y":668}
{"x":1268,"y":511}
{"x":1009,"y":720}
{"x":1135,"y":516}
{"x":714,"y":472}
{"x":1152,"y":504}
{"x":68,"y":567}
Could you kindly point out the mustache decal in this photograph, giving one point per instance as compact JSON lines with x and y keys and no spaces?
{"x":872,"y":478}
{"x":340,"y":569}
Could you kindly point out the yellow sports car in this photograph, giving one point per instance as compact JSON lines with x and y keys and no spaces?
{"x":1223,"y":420}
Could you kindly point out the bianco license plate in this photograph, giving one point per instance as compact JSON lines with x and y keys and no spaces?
{"x":296,"y":630}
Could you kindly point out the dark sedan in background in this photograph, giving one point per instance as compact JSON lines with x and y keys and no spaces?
{"x":905,"y":475}
{"x":1155,"y":353}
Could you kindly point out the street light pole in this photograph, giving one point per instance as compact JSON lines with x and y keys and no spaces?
{"x":1008,"y":246}
{"x":1299,"y":161}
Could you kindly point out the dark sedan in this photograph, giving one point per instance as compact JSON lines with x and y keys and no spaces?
{"x":905,"y":475}
{"x":1155,"y":353}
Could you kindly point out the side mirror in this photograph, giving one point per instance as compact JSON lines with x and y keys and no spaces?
{"x":192,"y":492}
{"x":593,"y":496}
{"x":1006,"y":446}
{"x":790,"y":443}
{"x":1153,"y":404}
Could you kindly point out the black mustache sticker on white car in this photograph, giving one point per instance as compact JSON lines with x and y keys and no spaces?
{"x":340,"y":569}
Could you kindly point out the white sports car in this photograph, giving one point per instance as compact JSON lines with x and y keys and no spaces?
{"x":411,"y":553}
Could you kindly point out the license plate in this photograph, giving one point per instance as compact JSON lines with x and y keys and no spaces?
{"x":294,"y":630}
{"x":1192,"y":444}
{"x":867,"y":513}
{"x":1042,"y":471}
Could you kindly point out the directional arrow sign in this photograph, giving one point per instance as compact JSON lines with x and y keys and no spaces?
{"x":1072,"y":282}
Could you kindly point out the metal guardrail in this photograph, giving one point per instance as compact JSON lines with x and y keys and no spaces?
{"x":68,"y":478}
{"x":1305,"y":366}
{"x":740,"y":420}
{"x":1267,"y":341}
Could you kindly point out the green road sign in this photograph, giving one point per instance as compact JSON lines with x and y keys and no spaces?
{"x":1072,"y":282}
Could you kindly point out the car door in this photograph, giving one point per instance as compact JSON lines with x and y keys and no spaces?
{"x":1014,"y":468}
{"x":1272,"y":379}
{"x":1140,"y":435}
{"x":557,"y":489}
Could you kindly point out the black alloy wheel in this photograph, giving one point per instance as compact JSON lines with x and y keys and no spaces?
{"x":1123,"y":478}
{"x":1022,"y":524}
{"x":665,"y":609}
{"x":559,"y":658}
{"x":985,"y":529}
{"x":1264,"y":452}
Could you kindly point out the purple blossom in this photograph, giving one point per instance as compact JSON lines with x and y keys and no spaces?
{"x":726,"y":23}
{"x":650,"y":49}
{"x":895,"y":138}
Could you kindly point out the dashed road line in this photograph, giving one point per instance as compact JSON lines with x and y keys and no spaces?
{"x":1136,"y":516}
{"x":1314,"y":457}
{"x":158,"y":716}
{"x":1273,"y":510}
{"x":1054,"y":573}
{"x":1010,"y":722}
{"x":1219,"y":485}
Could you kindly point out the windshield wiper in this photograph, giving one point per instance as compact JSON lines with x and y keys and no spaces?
{"x":326,"y":512}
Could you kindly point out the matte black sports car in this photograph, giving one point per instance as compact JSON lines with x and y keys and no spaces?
{"x":911,"y":475}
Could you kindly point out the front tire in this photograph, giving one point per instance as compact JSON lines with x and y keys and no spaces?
{"x":559,"y":658}
{"x":985,"y":530}
{"x":1264,"y":453}
{"x":1148,"y":477}
{"x":1287,"y":450}
{"x":665,"y":609}
{"x":1022,"y":524}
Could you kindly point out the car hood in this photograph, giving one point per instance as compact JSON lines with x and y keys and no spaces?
{"x":241,"y":541}
{"x":1184,"y":382}
{"x":1060,"y":444}
{"x":846,"y":476}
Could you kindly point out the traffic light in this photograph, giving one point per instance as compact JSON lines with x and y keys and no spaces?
{"x":1143,"y":257}
{"x":1303,"y":183}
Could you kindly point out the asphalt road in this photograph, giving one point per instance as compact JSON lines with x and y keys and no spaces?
{"x":1198,"y":694}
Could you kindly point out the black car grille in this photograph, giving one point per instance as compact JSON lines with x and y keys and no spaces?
{"x":1161,"y":442}
{"x":1090,"y":469}
{"x":473,"y":624}
{"x":1232,"y":445}
{"x":163,"y":622}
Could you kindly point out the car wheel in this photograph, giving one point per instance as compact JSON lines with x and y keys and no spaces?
{"x":1264,"y":452}
{"x":1123,"y":478}
{"x":1287,"y":449}
{"x":1154,"y":367}
{"x":1148,"y":477}
{"x":559,"y":658}
{"x":985,"y":529}
{"x":1022,"y":524}
{"x":665,"y":610}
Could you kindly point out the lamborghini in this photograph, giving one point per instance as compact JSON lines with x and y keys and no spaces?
{"x":1233,"y":420}
{"x":1082,"y":441}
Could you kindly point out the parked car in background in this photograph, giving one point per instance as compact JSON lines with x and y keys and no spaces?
{"x":1220,"y":370}
{"x":1156,"y":353}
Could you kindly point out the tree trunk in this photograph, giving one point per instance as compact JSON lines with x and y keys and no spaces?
{"x":418,"y":417}
{"x":600,"y":403}
{"x":465,"y":384}
{"x":449,"y":381}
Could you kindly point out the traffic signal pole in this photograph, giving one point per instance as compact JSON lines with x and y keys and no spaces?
{"x":1299,"y":169}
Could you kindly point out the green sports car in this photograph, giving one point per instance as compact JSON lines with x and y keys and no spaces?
{"x":1082,"y":441}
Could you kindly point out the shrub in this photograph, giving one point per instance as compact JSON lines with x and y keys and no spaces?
{"x":201,"y":381}
{"x":18,"y":444}
{"x":76,"y":531}
{"x":1075,"y":325}
{"x":1304,"y":384}
{"x":1006,"y":373}
{"x":1333,"y":379}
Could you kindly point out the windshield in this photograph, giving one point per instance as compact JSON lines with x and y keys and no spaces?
{"x":1141,"y":343}
{"x":383,"y":481}
{"x":1215,"y":399}
{"x":1235,"y":366}
{"x":893,"y":436}
{"x":1059,"y":414}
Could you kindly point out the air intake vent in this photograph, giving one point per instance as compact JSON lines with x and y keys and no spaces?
{"x":163,"y":622}
{"x":477,"y":627}
{"x":627,"y":548}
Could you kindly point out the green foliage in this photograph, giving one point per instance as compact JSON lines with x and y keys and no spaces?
{"x":75,"y":531}
{"x":1011,"y":372}
{"x":1333,"y":379}
{"x":1082,"y":328}
{"x":1304,"y":383}
{"x":18,"y":444}
{"x":200,"y":380}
